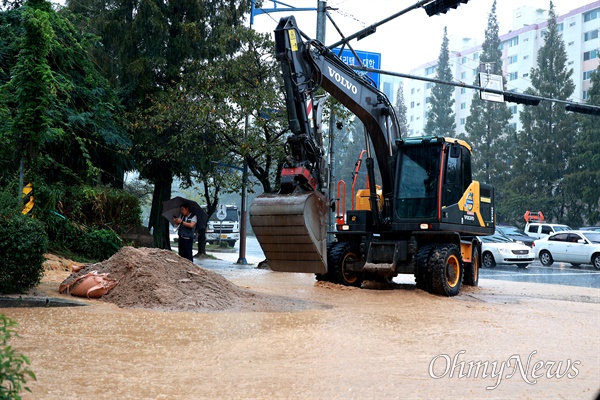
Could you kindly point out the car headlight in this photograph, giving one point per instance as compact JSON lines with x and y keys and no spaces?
{"x":502,"y":250}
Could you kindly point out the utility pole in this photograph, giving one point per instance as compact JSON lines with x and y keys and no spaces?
{"x":321,"y":8}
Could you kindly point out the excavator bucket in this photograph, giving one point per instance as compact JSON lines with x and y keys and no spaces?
{"x":292,"y":231}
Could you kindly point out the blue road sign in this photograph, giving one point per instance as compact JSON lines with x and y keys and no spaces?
{"x":369,"y":60}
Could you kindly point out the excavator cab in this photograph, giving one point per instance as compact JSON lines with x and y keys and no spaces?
{"x":435,"y":186}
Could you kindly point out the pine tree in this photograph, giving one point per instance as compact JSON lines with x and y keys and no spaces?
{"x":583,"y":181}
{"x":549,"y":132}
{"x":487,"y":127}
{"x":440,"y":118}
{"x":401,"y":111}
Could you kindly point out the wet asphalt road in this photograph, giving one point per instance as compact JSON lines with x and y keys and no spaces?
{"x":558,"y":273}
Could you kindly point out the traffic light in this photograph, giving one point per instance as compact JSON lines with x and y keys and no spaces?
{"x":442,"y":6}
{"x":583,"y":109}
{"x":528,"y":100}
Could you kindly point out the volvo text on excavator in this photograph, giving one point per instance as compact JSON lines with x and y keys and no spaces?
{"x":424,"y":214}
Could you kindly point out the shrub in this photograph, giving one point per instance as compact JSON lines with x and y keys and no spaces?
{"x":23,"y":243}
{"x":98,"y":244}
{"x":14,"y":370}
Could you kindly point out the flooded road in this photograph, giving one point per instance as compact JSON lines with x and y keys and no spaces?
{"x":393,"y":342}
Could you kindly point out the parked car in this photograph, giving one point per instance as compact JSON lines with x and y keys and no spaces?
{"x":540,"y":229}
{"x":516,"y":234}
{"x":590,"y":228}
{"x":498,"y":249}
{"x":574,"y":247}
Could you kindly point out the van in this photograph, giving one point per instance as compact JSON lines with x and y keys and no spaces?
{"x":539,"y":230}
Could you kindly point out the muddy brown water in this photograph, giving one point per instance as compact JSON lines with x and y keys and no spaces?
{"x":330,"y":342}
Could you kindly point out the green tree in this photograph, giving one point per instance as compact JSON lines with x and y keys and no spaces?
{"x":583,"y":179}
{"x":487,"y":128}
{"x":57,"y":111}
{"x":400,"y":107}
{"x":549,"y":132}
{"x":440,"y":118}
{"x":148,"y":49}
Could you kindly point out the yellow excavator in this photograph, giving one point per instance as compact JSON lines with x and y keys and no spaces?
{"x":426,"y":217}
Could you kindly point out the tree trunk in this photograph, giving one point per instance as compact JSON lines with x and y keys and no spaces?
{"x":162,"y":192}
{"x":202,"y":241}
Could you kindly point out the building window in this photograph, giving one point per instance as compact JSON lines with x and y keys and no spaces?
{"x":463,"y":105}
{"x":584,"y":95}
{"x":513,"y":109}
{"x":590,"y":55}
{"x":412,"y":91}
{"x":513,"y":76}
{"x":512,"y":126}
{"x":463,"y":75}
{"x":429,"y":70}
{"x":525,"y":57}
{"x":525,"y":75}
{"x":463,"y":90}
{"x":588,"y":74}
{"x":560,"y":27}
{"x":475,"y":56}
{"x":462,"y":121}
{"x":412,"y":104}
{"x":512,"y":59}
{"x":463,"y":60}
{"x":590,"y":35}
{"x":513,"y":42}
{"x":428,"y":85}
{"x":412,"y":118}
{"x":427,"y":100}
{"x":590,"y":15}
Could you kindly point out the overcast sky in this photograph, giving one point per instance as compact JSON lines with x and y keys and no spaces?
{"x":413,"y":38}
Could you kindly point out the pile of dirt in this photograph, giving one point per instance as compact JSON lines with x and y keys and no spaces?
{"x":160,"y":279}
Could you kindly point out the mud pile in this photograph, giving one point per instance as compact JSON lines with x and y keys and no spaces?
{"x":160,"y":279}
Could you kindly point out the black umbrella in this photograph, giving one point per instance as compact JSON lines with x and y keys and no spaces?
{"x":171,"y":209}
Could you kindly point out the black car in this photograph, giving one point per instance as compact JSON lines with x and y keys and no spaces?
{"x":516,"y":234}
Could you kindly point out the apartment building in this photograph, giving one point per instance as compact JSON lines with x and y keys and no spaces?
{"x":580,"y":29}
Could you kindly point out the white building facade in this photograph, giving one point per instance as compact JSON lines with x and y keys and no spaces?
{"x":580,"y":29}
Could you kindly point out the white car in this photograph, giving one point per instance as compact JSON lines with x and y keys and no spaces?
{"x":539,"y":230}
{"x":498,"y":249}
{"x":574,"y":247}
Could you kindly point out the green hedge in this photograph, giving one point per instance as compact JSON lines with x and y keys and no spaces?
{"x":23,"y":243}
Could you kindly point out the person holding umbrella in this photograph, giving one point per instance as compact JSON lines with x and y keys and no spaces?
{"x":187,"y":222}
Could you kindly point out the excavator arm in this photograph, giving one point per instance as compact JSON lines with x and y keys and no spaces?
{"x":308,"y":65}
{"x":291,"y":226}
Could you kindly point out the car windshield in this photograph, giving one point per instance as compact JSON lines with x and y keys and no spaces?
{"x":510,"y":230}
{"x":593,"y":237}
{"x":495,"y":239}
{"x":559,"y":228}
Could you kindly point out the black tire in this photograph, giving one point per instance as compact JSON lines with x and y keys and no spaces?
{"x":596,"y":261}
{"x":488,"y":260}
{"x":546,"y":258}
{"x":446,"y":270}
{"x":340,"y":254}
{"x":575,"y":265}
{"x":231,"y":243}
{"x":523,"y":266}
{"x":472,"y":268}
{"x":326,"y":277}
{"x":422,"y":275}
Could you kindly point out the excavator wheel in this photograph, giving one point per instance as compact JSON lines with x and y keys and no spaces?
{"x":422,"y":275}
{"x":472,"y":268}
{"x":446,"y":270}
{"x":341,"y":254}
{"x":326,"y":276}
